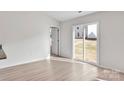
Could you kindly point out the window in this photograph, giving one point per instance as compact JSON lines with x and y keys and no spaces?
{"x":85,"y":48}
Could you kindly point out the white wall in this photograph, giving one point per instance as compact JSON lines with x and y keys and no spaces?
{"x":111,"y":37}
{"x":25,"y":36}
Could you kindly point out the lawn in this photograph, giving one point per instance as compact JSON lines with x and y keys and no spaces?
{"x":89,"y":50}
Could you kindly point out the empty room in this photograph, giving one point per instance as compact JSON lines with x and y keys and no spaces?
{"x":61,"y":45}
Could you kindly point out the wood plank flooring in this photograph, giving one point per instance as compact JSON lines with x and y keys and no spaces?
{"x":58,"y":69}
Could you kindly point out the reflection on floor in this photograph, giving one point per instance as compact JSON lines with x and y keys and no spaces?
{"x":101,"y":74}
{"x":58,"y":69}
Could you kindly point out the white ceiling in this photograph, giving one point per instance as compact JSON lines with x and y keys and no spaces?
{"x":67,"y":15}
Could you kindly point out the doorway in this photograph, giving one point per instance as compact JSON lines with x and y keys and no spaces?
{"x":54,"y":41}
{"x":86,"y":43}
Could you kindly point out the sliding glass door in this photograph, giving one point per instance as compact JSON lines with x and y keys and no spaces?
{"x":79,"y":44}
{"x":90,"y":43}
{"x":86,"y":42}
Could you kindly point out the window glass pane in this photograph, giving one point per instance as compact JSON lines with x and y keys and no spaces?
{"x":79,"y":42}
{"x":90,"y":43}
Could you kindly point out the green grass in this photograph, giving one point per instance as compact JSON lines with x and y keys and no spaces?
{"x":90,"y":50}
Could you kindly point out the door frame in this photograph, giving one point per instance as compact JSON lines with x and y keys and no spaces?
{"x":98,"y":42}
{"x":58,"y":40}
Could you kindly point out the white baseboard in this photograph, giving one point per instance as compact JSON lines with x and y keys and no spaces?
{"x":99,"y":65}
{"x":26,"y":62}
{"x":110,"y":68}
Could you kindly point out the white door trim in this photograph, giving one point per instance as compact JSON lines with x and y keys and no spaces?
{"x":98,"y":41}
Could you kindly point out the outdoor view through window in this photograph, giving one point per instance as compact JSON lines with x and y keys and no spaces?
{"x":86,"y":42}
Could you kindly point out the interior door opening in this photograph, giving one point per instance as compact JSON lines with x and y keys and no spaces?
{"x":54,"y":41}
{"x":86,"y":43}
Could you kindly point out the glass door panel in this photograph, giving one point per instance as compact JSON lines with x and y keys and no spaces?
{"x":79,"y":46}
{"x":90,"y":43}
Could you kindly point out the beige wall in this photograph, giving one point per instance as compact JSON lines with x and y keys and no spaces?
{"x":111,"y":26}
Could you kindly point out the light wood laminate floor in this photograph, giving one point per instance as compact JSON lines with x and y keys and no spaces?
{"x":58,"y":69}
